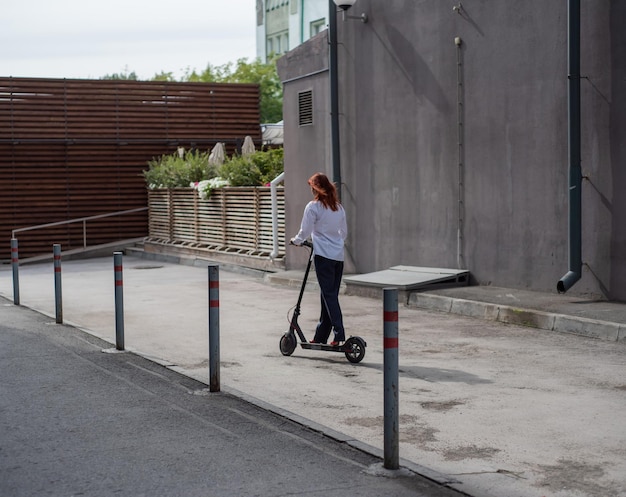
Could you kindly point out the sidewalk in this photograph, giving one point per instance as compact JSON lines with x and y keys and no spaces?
{"x":493,"y":409}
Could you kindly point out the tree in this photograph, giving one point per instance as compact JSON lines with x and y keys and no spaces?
{"x":265,"y":75}
{"x":126,"y":75}
{"x":164,"y":76}
{"x":242,"y":71}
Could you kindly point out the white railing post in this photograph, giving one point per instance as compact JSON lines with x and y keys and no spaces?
{"x":273,"y":184}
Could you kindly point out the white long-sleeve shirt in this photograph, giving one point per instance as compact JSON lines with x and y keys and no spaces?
{"x":327,"y":229}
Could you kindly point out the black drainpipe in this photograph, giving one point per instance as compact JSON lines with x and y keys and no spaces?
{"x":573,"y":135}
{"x":334,"y":95}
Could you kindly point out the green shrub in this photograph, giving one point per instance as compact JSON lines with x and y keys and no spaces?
{"x":270,"y":163}
{"x":255,"y":169}
{"x":172,"y":171}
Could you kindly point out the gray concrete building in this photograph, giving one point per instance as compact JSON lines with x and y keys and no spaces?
{"x":453,"y":125}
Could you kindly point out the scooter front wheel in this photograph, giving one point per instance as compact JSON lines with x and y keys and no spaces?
{"x":355,"y":349}
{"x":288,"y":343}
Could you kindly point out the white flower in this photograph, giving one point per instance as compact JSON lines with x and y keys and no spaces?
{"x":218,"y":182}
{"x":204,"y":187}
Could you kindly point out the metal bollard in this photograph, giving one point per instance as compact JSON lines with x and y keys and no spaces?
{"x":390,"y":364}
{"x":15,"y":265}
{"x":58,"y":298}
{"x":214,"y":328}
{"x":119,"y":300}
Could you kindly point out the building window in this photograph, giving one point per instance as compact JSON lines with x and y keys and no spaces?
{"x":305,"y":107}
{"x":285,"y":42}
{"x":317,"y":26}
{"x":276,"y":4}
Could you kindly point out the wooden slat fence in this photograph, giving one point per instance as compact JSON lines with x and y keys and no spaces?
{"x":231,"y":220}
{"x":77,"y":148}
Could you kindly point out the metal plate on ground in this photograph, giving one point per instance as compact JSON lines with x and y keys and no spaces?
{"x":410,"y":277}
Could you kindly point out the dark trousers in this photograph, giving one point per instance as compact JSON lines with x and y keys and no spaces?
{"x":329,"y":273}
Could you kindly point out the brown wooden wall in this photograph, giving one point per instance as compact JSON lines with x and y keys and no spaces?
{"x":76,"y":148}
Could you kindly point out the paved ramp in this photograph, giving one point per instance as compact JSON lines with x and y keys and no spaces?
{"x":411,"y":278}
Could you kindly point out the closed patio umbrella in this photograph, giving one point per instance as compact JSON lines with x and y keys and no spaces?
{"x":248,"y":146}
{"x":217,"y":155}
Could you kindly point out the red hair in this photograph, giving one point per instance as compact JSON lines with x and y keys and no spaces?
{"x":324,"y":191}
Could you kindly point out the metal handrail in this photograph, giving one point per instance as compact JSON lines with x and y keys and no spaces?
{"x":77,"y":220}
{"x":273,"y":184}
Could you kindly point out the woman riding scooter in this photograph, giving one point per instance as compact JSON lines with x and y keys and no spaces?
{"x":324,"y":220}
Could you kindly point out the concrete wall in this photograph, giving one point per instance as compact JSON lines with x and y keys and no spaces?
{"x":498,"y":204}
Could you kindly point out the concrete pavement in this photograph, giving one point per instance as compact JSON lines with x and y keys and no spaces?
{"x":487,"y":407}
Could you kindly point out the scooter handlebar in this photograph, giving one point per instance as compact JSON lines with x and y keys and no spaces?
{"x":305,"y":243}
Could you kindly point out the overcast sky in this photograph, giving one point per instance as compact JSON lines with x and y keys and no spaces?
{"x":89,"y":39}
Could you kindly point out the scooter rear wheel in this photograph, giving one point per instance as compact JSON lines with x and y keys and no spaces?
{"x":355,"y":349}
{"x":288,"y":344}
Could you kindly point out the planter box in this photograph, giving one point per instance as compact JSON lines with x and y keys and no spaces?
{"x":233,"y":219}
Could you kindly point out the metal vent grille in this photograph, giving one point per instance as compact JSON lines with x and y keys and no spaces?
{"x":305,"y":107}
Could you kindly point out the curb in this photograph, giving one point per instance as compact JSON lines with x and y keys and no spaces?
{"x":590,"y":328}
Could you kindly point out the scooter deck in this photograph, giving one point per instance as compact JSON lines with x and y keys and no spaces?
{"x":324,"y":346}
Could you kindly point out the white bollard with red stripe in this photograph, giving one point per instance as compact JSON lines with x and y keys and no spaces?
{"x":390,"y":365}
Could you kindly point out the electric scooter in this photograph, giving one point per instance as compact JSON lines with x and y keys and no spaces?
{"x":353,"y":347}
